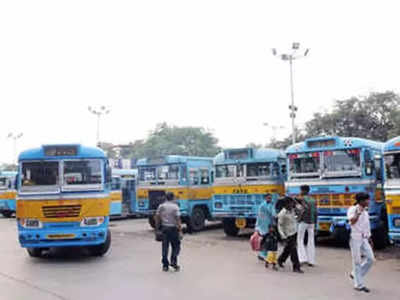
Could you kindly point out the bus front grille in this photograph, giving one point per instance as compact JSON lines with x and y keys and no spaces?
{"x":61,"y":211}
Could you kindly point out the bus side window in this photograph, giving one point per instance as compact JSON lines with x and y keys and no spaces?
{"x":194,"y":176}
{"x":204,"y":176}
{"x":378,"y":167}
{"x":283,"y":169}
{"x":368,"y":163}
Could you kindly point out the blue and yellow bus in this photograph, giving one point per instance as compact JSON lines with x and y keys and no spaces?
{"x":189,"y":178}
{"x":392,"y":187}
{"x":123,"y":193}
{"x":242,"y":178}
{"x":336,"y":168}
{"x":63,"y":198}
{"x":8,"y":193}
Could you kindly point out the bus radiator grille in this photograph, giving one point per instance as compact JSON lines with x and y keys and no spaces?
{"x":61,"y":211}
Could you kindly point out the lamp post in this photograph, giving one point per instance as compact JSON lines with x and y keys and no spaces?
{"x":15,"y":137}
{"x":99,"y":111}
{"x":295,"y":53}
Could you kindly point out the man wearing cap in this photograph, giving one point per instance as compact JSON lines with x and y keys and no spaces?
{"x":265,"y":217}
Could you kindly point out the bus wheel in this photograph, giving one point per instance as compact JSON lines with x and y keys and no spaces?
{"x":100,"y":250}
{"x":7,"y":214}
{"x":197,"y":220}
{"x":341,"y":235}
{"x":152,"y":222}
{"x":34,"y":252}
{"x":230,"y":228}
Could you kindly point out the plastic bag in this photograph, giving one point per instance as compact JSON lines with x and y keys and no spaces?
{"x":255,"y":241}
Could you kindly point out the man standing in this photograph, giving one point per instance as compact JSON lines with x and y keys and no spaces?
{"x":265,"y":217}
{"x":287,"y":226}
{"x":360,"y":241}
{"x":307,"y":222}
{"x":168,"y":217}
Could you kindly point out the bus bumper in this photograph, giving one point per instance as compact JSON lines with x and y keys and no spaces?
{"x":62,"y":235}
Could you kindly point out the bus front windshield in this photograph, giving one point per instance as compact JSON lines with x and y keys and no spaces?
{"x":147,"y":174}
{"x":304,"y":164}
{"x":225,"y":171}
{"x":343,"y":161}
{"x":82,"y":172}
{"x":168,"y":172}
{"x":392,"y":166}
{"x":43,"y":175}
{"x":266,"y":169}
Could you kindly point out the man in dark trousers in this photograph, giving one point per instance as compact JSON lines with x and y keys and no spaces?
{"x":287,"y":226}
{"x":169,"y":222}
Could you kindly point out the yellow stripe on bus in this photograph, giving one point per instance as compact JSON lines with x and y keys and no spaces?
{"x":90,"y":207}
{"x":393,"y":204}
{"x":250,"y":189}
{"x":179,"y":193}
{"x":116,"y":196}
{"x":8,"y":195}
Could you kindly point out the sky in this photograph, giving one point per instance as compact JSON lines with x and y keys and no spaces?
{"x":201,"y":63}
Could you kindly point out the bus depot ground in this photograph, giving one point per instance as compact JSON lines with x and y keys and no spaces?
{"x":213,"y":267}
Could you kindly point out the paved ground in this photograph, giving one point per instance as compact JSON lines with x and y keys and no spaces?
{"x":213,"y":267}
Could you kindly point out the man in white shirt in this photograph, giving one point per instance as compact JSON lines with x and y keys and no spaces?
{"x":360,"y":241}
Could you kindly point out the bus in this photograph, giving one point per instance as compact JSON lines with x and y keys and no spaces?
{"x":189,"y":178}
{"x":63,"y":199}
{"x":7,"y":193}
{"x":392,"y":188}
{"x":123,"y":193}
{"x":242,"y":178}
{"x":336,"y":168}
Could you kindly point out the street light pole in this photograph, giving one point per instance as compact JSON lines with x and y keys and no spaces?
{"x":102,"y":110}
{"x":14,"y":137}
{"x":295,"y":53}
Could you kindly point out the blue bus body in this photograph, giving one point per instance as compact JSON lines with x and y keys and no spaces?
{"x":123,"y":193}
{"x":336,"y":168}
{"x":392,"y":187}
{"x":188,"y":178}
{"x":63,"y":198}
{"x":8,"y":193}
{"x":242,"y":178}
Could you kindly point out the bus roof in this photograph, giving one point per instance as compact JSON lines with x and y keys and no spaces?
{"x":8,"y":173}
{"x":392,"y":144}
{"x":248,"y":155}
{"x":332,"y":143}
{"x":171,"y":159}
{"x":61,"y":151}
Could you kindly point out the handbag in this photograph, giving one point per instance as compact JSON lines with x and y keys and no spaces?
{"x":255,"y":241}
{"x":158,"y":235}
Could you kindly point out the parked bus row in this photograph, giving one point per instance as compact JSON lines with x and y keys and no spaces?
{"x":66,"y":193}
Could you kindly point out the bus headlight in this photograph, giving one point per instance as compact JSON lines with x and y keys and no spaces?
{"x":396,"y":222}
{"x":30,"y":223}
{"x":92,"y":221}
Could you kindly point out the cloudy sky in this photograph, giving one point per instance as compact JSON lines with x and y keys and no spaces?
{"x":200,"y":63}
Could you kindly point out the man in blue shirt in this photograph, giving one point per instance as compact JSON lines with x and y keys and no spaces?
{"x":265,"y":217}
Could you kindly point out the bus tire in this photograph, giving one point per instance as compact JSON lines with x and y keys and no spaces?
{"x":152,"y":221}
{"x":7,"y":214}
{"x":100,"y":250}
{"x":197,"y":220}
{"x":35,"y":252}
{"x":230,"y":228}
{"x":380,"y":237}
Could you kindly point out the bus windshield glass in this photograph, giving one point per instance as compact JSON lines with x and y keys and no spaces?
{"x":223,"y":171}
{"x":79,"y":173}
{"x":392,"y":166}
{"x":266,"y":169}
{"x":147,"y":174}
{"x":342,"y":161}
{"x":168,"y":172}
{"x":40,"y":176}
{"x":304,"y":164}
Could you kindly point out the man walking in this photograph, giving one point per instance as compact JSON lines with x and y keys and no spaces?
{"x":265,"y":217}
{"x":168,"y":221}
{"x":287,"y":226}
{"x":360,"y":241}
{"x":307,"y":222}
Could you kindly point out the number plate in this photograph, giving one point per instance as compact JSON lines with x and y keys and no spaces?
{"x":60,"y":236}
{"x":240,"y":223}
{"x":324,"y":226}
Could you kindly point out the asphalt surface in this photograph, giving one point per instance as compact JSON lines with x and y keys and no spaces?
{"x":213,"y":267}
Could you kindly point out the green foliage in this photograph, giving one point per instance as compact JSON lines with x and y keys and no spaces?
{"x":373,"y":117}
{"x":165,"y":139}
